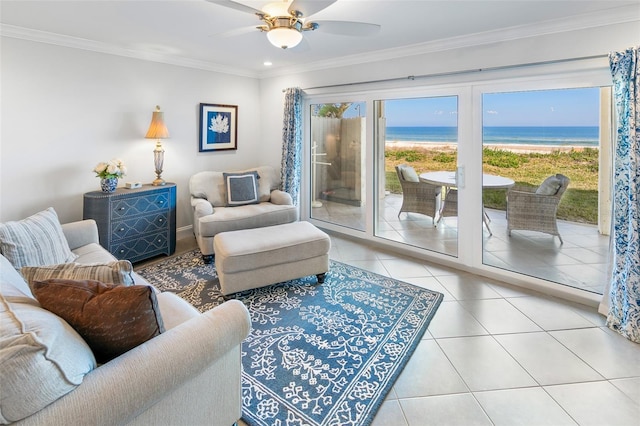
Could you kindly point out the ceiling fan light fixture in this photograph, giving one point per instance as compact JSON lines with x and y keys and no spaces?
{"x":284,"y":37}
{"x":276,"y":8}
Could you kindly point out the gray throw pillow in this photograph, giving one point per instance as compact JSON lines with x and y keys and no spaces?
{"x":242,"y":188}
{"x":409,"y":174}
{"x":41,"y":358}
{"x":35,"y":241}
{"x":116,"y":272}
{"x":550,"y":186}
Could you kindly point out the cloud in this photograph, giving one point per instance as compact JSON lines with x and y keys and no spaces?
{"x":492,"y":112}
{"x":438,"y":112}
{"x":553,"y":109}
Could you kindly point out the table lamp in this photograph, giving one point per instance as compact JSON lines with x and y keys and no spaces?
{"x":158,"y":130}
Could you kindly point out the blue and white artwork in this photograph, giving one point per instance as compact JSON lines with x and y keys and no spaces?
{"x":218,"y":127}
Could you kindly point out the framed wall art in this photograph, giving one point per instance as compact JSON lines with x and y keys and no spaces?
{"x":218,"y":127}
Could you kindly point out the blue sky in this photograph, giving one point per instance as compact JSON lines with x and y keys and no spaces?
{"x":440,"y":111}
{"x":567,"y":107}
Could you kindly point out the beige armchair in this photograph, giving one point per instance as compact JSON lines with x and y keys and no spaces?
{"x":213,"y":215}
{"x":535,"y":209}
{"x":417,"y":197}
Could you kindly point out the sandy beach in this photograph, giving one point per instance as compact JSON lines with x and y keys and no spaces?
{"x":521,"y":148}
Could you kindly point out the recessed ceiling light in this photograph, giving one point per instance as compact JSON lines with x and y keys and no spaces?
{"x":268,"y":63}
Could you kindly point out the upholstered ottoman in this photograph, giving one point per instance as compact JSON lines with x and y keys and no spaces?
{"x":252,"y":258}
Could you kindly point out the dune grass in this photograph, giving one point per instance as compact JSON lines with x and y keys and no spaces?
{"x":579,"y":203}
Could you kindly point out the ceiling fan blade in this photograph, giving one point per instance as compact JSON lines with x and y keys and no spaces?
{"x":309,"y":7}
{"x":236,"y":32}
{"x":348,"y":28}
{"x":303,"y":46}
{"x":237,"y":6}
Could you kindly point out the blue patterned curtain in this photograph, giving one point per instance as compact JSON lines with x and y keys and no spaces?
{"x":624,"y":295}
{"x":291,"y":166}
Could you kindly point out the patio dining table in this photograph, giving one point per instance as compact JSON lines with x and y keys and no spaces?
{"x":448,"y":179}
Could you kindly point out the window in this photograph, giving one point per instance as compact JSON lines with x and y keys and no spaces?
{"x":417,"y":136}
{"x":517,"y":131}
{"x":338,"y":139}
{"x":529,"y":136}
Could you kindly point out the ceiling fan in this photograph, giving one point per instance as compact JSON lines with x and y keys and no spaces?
{"x":285,"y":21}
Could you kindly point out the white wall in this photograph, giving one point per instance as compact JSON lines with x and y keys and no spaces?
{"x":64,"y":110}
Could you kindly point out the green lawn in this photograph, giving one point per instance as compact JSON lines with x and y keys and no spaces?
{"x":579,"y":203}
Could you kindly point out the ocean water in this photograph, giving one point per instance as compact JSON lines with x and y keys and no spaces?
{"x":560,"y":136}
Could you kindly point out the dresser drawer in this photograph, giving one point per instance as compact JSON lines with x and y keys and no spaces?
{"x":127,"y":207}
{"x":121,"y":229}
{"x":135,"y":224}
{"x":141,"y":248}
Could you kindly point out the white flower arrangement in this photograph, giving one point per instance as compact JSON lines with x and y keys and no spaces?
{"x":111,"y":169}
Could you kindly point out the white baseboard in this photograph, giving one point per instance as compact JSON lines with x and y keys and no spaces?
{"x":184,"y":232}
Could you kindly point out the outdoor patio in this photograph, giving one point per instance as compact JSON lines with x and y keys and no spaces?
{"x":580,"y":262}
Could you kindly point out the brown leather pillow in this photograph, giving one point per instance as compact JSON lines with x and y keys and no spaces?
{"x":112,"y":319}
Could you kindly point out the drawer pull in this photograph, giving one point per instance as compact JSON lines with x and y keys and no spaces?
{"x":160,"y":220}
{"x":121,"y":208}
{"x":121,"y":251}
{"x":121,"y":229}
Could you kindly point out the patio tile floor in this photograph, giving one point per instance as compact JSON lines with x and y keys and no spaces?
{"x":580,"y":262}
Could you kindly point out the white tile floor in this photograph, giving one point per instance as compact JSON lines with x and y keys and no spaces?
{"x":496,"y":354}
{"x":500,"y":355}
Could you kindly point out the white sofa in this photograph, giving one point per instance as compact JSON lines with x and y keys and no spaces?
{"x":188,"y":375}
{"x":211,"y":214}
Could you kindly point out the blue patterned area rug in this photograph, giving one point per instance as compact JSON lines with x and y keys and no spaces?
{"x":317,"y":354}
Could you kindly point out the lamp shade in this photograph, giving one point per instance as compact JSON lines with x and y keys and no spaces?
{"x":157,"y":128}
{"x":284,"y":37}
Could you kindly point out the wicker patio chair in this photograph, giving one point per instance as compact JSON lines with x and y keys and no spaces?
{"x":449,"y":204}
{"x":535,"y":209}
{"x":417,"y":197}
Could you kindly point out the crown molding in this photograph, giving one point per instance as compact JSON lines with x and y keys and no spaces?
{"x":96,"y":46}
{"x":579,"y":22}
{"x":619,"y":15}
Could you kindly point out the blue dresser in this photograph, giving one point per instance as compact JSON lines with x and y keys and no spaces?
{"x":135,"y":224}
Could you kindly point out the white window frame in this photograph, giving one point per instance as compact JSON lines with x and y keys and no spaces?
{"x":469,"y":89}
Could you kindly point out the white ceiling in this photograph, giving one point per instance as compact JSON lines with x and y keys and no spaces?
{"x":191,"y":32}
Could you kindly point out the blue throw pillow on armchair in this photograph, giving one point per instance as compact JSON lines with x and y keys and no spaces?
{"x":242,"y":188}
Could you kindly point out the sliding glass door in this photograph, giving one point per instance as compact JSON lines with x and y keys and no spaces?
{"x":436,"y":171}
{"x":417,"y":192}
{"x":547,"y":221}
{"x":337,"y":163}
